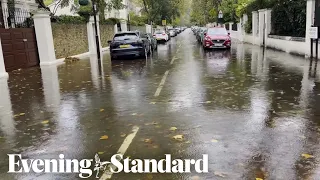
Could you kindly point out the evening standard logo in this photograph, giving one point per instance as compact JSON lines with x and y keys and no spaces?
{"x":116,"y":164}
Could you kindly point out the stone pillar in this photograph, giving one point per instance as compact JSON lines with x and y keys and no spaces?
{"x":309,"y":23}
{"x":267,"y":24}
{"x":42,"y":25}
{"x":3,"y":73}
{"x":123,"y":24}
{"x":91,"y":33}
{"x":148,"y":28}
{"x":261,"y":26}
{"x":255,"y":26}
{"x":115,"y":28}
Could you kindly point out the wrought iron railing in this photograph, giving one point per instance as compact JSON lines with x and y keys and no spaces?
{"x":16,"y":18}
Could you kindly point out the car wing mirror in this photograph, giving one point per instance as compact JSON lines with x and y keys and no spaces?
{"x":109,"y":42}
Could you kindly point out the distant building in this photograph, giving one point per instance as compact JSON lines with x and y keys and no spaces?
{"x":22,"y":7}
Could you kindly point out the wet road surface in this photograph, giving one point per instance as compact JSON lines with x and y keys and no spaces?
{"x":253,"y":111}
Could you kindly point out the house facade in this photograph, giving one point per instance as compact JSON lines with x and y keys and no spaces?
{"x":22,"y":9}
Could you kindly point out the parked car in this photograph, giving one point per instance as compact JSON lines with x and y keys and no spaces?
{"x":129,"y":44}
{"x":217,"y":37}
{"x":161,"y":35}
{"x":200,"y":33}
{"x":153,"y":41}
{"x":172,"y":32}
{"x":178,"y":30}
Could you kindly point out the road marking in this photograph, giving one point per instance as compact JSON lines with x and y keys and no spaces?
{"x":163,"y":80}
{"x":174,"y":58}
{"x":122,"y":150}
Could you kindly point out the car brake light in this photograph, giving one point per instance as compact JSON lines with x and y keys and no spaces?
{"x":163,"y":34}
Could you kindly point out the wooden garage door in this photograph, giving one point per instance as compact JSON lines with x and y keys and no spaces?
{"x":19,"y":47}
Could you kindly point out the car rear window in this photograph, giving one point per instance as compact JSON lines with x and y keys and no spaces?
{"x":125,"y":36}
{"x":217,"y":31}
{"x":159,"y":32}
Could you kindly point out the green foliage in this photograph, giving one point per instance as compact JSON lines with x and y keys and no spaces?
{"x":68,"y":19}
{"x":248,"y":27}
{"x":289,"y":18}
{"x":110,"y":21}
{"x":85,"y":11}
{"x":138,"y":20}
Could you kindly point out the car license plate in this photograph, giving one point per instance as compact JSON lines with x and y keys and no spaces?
{"x":218,"y":44}
{"x":124,"y":46}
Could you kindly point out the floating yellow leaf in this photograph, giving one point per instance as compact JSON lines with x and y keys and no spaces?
{"x":101,"y":110}
{"x":214,"y":141}
{"x":178,"y":137}
{"x":152,"y":103}
{"x":22,"y":114}
{"x":259,"y":179}
{"x":173,"y":128}
{"x":100,"y":153}
{"x":104,"y":137}
{"x":307,"y":156}
{"x":45,"y":122}
{"x":207,"y":102}
{"x":147,"y":140}
{"x":134,"y":114}
{"x":220,"y":174}
{"x":123,"y":135}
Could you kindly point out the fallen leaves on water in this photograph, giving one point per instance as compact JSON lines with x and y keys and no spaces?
{"x":134,"y":114}
{"x":45,"y":122}
{"x":101,"y":110}
{"x":123,"y":135}
{"x":100,"y":153}
{"x":22,"y":114}
{"x":149,"y":176}
{"x":208,"y":102}
{"x":220,"y":174}
{"x":214,"y":141}
{"x":147,"y":140}
{"x":155,"y":146}
{"x":307,"y":156}
{"x":152,"y":103}
{"x":195,"y":178}
{"x":178,"y":137}
{"x":104,"y":137}
{"x":173,"y":128}
{"x":153,"y":123}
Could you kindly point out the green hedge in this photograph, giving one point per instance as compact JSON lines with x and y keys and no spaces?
{"x":68,"y":19}
{"x":289,"y":18}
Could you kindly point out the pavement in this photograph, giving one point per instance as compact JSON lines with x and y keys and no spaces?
{"x":253,"y":111}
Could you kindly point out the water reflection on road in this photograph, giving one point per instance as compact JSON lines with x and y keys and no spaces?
{"x":253,"y":111}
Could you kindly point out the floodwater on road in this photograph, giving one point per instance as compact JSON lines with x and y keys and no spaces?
{"x":253,"y":111}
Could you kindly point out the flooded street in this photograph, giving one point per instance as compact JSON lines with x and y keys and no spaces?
{"x":253,"y":111}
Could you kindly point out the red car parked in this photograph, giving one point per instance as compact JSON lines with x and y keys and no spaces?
{"x":217,"y":37}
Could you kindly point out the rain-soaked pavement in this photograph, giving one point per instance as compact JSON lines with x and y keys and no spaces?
{"x":253,"y":111}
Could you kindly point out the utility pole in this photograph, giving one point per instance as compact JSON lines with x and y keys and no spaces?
{"x":94,"y":8}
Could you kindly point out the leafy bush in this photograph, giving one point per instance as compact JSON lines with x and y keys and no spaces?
{"x":85,"y":11}
{"x":248,"y":27}
{"x":110,"y":21}
{"x":68,"y":19}
{"x":289,"y":18}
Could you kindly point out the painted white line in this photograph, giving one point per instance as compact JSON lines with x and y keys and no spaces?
{"x":122,"y":150}
{"x":163,"y":80}
{"x":174,"y":58}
